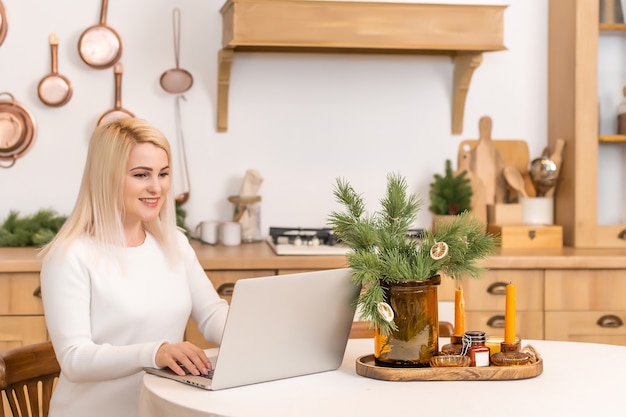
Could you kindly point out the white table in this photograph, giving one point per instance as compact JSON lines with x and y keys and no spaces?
{"x":579,"y":379}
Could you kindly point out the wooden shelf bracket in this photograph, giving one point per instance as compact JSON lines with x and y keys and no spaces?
{"x":464,"y":65}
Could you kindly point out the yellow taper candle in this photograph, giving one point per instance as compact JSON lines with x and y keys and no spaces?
{"x":459,"y":312}
{"x":509,"y":314}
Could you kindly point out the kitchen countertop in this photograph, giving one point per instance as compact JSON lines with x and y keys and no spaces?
{"x":260,"y":255}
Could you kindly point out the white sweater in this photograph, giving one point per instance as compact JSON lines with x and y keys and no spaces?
{"x":106,"y":321}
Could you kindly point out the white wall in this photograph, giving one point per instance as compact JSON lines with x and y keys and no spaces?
{"x":300,"y":119}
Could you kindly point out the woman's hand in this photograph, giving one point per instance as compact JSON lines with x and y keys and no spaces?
{"x":178,"y":355}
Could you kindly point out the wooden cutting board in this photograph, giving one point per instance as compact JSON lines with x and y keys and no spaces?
{"x":487,"y":163}
{"x":514,"y":152}
{"x":479,"y":207}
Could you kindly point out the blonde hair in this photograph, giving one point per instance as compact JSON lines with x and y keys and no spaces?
{"x":99,"y":206}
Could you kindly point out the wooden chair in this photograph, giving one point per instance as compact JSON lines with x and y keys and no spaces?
{"x":362,"y":330}
{"x":27,"y":377}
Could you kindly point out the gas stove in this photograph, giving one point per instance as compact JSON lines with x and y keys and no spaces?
{"x":311,"y":241}
{"x":305,"y":241}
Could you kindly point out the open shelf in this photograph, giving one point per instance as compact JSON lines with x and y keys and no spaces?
{"x":464,"y":32}
{"x":613,"y":138}
{"x":615,"y":27}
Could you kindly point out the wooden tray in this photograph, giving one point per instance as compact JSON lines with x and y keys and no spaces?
{"x":365,"y":366}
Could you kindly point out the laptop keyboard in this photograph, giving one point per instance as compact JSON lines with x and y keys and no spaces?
{"x":207,"y":376}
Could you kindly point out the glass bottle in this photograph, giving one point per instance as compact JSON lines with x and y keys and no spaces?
{"x":474,"y":347}
{"x":621,"y":115}
{"x":510,"y":355}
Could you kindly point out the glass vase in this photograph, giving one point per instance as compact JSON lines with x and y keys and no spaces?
{"x":416,"y":341}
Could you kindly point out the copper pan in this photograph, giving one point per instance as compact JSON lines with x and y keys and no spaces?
{"x":100,"y":46}
{"x":17,"y":130}
{"x":54,"y":90}
{"x":4,"y":25}
{"x":116,"y":112}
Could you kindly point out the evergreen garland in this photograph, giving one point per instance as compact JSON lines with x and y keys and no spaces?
{"x":450,"y":193}
{"x":35,"y":230}
{"x":381,"y":251}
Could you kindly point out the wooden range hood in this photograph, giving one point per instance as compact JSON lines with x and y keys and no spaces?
{"x":462,"y":31}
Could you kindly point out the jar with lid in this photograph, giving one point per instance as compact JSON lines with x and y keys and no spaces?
{"x":474,"y":347}
{"x":248,"y":212}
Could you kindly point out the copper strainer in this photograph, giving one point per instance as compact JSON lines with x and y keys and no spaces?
{"x":176,"y":80}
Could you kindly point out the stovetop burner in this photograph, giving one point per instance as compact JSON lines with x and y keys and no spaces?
{"x":302,"y":236}
{"x":311,"y":241}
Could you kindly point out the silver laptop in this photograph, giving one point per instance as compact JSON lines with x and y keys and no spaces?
{"x":281,"y":326}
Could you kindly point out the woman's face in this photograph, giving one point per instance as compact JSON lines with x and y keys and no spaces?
{"x":146,"y":183}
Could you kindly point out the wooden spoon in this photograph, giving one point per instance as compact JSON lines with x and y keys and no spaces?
{"x":515,"y":180}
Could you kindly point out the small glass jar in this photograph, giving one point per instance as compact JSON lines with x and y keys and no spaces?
{"x":510,"y":355}
{"x":474,"y":347}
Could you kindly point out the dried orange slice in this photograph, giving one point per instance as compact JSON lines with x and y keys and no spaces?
{"x":439,"y":250}
{"x":385,"y":311}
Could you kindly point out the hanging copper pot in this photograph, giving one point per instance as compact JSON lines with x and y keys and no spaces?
{"x":17,"y":130}
{"x":100,"y":46}
{"x":117,"y":112}
{"x":54,"y":90}
{"x":4,"y":25}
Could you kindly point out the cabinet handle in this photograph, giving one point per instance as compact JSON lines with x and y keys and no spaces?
{"x":497,"y":288}
{"x":496,"y":322}
{"x":226,"y":290}
{"x":610,"y":321}
{"x":37,"y":292}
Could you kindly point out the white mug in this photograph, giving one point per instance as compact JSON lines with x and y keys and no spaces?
{"x":207,"y":231}
{"x":230,"y":233}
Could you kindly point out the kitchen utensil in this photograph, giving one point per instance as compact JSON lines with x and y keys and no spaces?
{"x":54,"y":90}
{"x":4,"y":25}
{"x":515,"y":154}
{"x":487,"y":163}
{"x":515,"y":180}
{"x":176,"y":80}
{"x":117,"y":112}
{"x":557,"y":157}
{"x":183,"y":195}
{"x":100,"y":46}
{"x":479,"y":207}
{"x":543,"y":172}
{"x":17,"y":130}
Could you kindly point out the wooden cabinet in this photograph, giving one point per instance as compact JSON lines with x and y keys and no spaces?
{"x":224,"y":282}
{"x":562,"y":294}
{"x":485,"y":302}
{"x":573,"y":40}
{"x":586,"y":305}
{"x":21,"y":311}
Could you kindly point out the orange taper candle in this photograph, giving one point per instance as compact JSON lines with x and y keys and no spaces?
{"x":459,"y":312}
{"x":509,"y":314}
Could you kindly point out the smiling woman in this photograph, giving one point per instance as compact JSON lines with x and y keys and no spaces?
{"x":146,"y":186}
{"x":119,"y":282}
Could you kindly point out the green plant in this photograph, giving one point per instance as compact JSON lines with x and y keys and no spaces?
{"x":35,"y":230}
{"x":382,"y":253}
{"x":450,"y":193}
{"x":181,"y":216}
